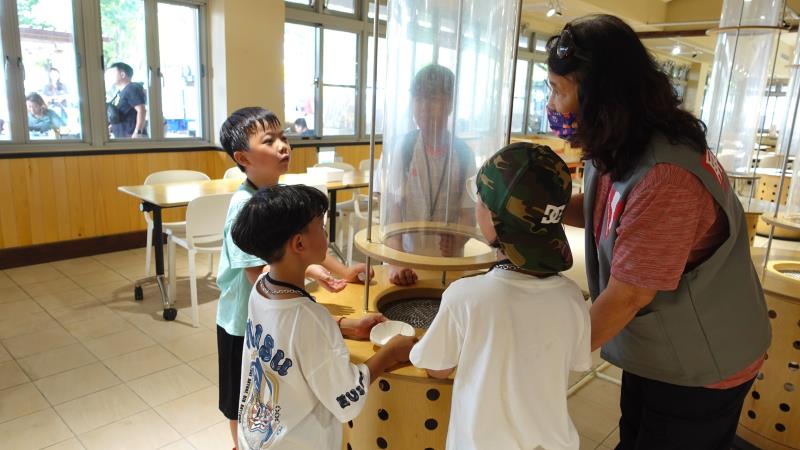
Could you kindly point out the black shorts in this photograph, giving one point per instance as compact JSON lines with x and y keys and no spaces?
{"x":229,"y":355}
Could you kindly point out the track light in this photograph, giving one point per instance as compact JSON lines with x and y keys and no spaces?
{"x":554,"y":10}
{"x":676,"y":50}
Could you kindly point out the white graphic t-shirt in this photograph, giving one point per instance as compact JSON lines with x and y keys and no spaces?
{"x":514,"y":339}
{"x":298,"y":384}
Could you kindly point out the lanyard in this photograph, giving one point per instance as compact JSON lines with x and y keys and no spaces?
{"x":506,"y":264}
{"x":290,"y":286}
{"x":251,"y":184}
{"x":433,"y":201}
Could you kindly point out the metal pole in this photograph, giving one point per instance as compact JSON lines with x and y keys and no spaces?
{"x":790,"y":133}
{"x":371,"y":189}
{"x":513,"y":73}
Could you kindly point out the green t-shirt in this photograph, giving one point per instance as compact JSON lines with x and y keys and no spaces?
{"x":231,"y":278}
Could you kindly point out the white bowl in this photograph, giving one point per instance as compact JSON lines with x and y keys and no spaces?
{"x":382,"y":332}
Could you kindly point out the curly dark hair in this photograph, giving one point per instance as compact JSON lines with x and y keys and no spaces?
{"x":624,"y":97}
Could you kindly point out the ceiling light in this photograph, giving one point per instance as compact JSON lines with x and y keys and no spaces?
{"x":551,"y":12}
{"x":555,"y":8}
{"x":676,"y":50}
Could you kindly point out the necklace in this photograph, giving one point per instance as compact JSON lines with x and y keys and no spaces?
{"x":291,"y":289}
{"x":433,"y":199}
{"x":506,"y":264}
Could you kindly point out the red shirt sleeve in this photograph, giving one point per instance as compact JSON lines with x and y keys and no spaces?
{"x":670,"y":222}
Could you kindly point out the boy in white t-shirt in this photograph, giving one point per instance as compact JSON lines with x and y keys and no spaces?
{"x":516,"y":331}
{"x":298,"y":384}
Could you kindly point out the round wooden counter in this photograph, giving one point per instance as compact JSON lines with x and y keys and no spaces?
{"x":771,"y":414}
{"x":405,"y":409}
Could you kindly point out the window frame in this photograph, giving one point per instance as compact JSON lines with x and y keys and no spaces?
{"x":533,"y":57}
{"x":87,"y":32}
{"x":362,"y":26}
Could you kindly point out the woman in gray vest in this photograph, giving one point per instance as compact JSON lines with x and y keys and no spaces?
{"x":677,"y":303}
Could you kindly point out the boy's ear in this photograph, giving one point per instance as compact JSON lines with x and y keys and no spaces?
{"x":240,"y":156}
{"x":295,"y":244}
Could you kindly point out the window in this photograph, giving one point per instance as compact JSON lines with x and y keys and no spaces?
{"x":68,"y":60}
{"x":540,"y":92}
{"x":328,"y":69}
{"x":339,"y":83}
{"x":5,"y":133}
{"x":345,"y":6}
{"x":181,"y":95}
{"x":299,"y":65}
{"x":520,"y":86}
{"x":47,"y":45}
{"x":122,"y":25}
{"x":301,"y":2}
{"x":380,"y":87}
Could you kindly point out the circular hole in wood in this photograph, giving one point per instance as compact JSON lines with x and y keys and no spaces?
{"x":755,"y":395}
{"x":796,"y":345}
{"x":383,"y":414}
{"x":788,"y":387}
{"x":431,"y":424}
{"x":432,"y":394}
{"x":784,"y":407}
{"x":780,"y":427}
{"x":350,"y":423}
{"x":382,"y":443}
{"x":766,"y":356}
{"x":384,"y":385}
{"x":772,"y":314}
{"x":794,"y":366}
{"x":760,"y":376}
{"x":349,"y":447}
{"x":751,"y":414}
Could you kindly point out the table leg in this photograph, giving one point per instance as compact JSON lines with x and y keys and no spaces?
{"x":158,"y":241}
{"x":332,"y":226}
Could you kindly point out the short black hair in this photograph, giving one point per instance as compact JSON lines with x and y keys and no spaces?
{"x":301,"y":122}
{"x":273,"y":215}
{"x":35,"y":98}
{"x":234,"y":134}
{"x":124,"y":68}
{"x":433,"y":79}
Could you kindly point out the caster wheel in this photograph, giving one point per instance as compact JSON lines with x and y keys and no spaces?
{"x":138,"y":295}
{"x":170,"y":314}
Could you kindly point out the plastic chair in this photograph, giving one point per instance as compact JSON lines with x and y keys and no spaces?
{"x":166,"y":176}
{"x":205,"y":221}
{"x":234,"y":172}
{"x":344,"y":209}
{"x":360,"y":210}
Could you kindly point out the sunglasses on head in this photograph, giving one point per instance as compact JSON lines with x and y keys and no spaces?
{"x":565,"y":46}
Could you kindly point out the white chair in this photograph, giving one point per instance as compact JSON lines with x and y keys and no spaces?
{"x":166,"y":176}
{"x":205,"y":221}
{"x":234,"y":172}
{"x":360,"y":211}
{"x":343,"y":209}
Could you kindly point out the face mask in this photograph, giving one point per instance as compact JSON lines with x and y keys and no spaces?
{"x":563,"y":125}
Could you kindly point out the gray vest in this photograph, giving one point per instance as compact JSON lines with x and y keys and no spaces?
{"x":715,"y":323}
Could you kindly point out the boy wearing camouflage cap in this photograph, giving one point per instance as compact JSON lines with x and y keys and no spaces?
{"x":516,"y":331}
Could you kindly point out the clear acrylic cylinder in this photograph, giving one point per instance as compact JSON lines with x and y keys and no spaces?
{"x":744,"y":55}
{"x":448,"y":85}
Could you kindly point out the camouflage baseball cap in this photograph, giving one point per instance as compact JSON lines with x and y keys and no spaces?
{"x":527,"y":188}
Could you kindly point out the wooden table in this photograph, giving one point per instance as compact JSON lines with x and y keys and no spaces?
{"x":156,"y":197}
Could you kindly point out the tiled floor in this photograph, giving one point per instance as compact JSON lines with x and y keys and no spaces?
{"x":83,"y":365}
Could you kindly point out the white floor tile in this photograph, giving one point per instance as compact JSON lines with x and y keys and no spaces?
{"x":100,"y":408}
{"x":34,"y":431}
{"x":142,"y":431}
{"x":76,"y":383}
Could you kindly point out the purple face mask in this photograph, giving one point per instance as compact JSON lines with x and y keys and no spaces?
{"x":563,"y":125}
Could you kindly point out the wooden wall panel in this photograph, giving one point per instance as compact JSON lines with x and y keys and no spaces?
{"x":53,"y":199}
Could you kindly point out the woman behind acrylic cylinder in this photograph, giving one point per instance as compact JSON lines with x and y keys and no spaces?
{"x":677,"y":303}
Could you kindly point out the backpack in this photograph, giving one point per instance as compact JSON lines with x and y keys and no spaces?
{"x":112,"y":111}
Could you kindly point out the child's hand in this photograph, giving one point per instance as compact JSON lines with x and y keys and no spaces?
{"x":450,"y":244}
{"x":402,"y":276}
{"x":399,"y":347}
{"x":353,"y":272}
{"x":360,"y":328}
{"x":325,"y":279}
